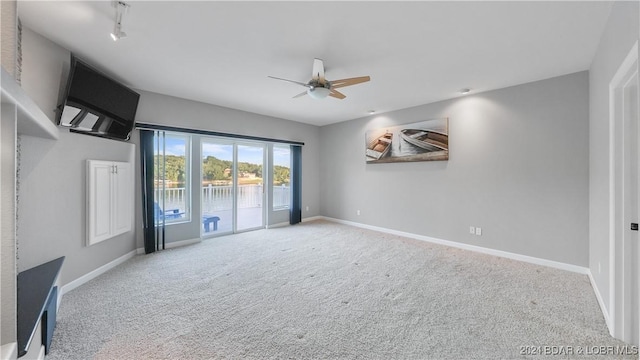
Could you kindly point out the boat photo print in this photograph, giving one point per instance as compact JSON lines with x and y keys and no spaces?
{"x":422,"y":141}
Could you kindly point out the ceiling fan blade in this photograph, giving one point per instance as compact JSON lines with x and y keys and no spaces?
{"x":337,"y":94}
{"x":300,"y":95}
{"x":348,"y":82}
{"x":291,"y":81}
{"x":318,"y":71}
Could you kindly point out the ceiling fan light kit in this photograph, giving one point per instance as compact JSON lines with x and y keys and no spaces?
{"x":318,"y":92}
{"x":319,"y":87}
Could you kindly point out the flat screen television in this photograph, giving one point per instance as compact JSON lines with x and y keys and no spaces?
{"x":95,"y":104}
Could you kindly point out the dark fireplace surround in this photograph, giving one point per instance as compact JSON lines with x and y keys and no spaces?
{"x":37,"y":301}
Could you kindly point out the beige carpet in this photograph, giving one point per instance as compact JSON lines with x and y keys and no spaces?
{"x":321,"y":290}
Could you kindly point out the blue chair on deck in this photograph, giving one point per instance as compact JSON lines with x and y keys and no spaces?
{"x":208,"y":220}
{"x":166,"y":214}
{"x":176,"y":214}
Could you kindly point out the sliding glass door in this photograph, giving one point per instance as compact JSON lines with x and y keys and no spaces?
{"x":250,"y":186}
{"x":232,"y":186}
{"x":217,"y":187}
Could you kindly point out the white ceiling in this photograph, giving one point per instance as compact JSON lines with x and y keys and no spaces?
{"x":415,"y":52}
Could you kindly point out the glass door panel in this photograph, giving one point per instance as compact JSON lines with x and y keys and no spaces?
{"x":281,"y":177}
{"x":250,"y":187}
{"x":172,"y":177}
{"x":218,"y":190}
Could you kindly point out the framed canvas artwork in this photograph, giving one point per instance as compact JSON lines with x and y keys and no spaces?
{"x":422,"y":141}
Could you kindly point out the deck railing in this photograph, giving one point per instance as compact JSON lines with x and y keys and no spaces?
{"x":281,"y":197}
{"x":216,"y":198}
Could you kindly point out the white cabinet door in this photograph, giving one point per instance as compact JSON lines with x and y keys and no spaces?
{"x":123,"y":196}
{"x":109,"y":199}
{"x":99,"y":201}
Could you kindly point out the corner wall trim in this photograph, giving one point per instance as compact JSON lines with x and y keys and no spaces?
{"x":97,"y":272}
{"x":603,"y":309}
{"x":479,"y":249}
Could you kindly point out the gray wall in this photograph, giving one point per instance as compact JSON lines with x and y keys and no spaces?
{"x":8,"y":310}
{"x":8,"y":266}
{"x":518,"y":168}
{"x":167,"y":110}
{"x":52,"y":208}
{"x":619,"y":36}
{"x":52,"y":193}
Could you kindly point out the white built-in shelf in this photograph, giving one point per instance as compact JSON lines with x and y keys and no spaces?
{"x":31,"y":120}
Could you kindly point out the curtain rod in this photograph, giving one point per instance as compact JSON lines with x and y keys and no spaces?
{"x":148,"y":126}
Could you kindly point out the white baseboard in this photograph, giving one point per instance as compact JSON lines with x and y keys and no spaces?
{"x":313,"y":218}
{"x":37,"y":354}
{"x":95,"y":273}
{"x":9,"y":351}
{"x":282,"y":224}
{"x":41,"y":353}
{"x":603,"y":309}
{"x":174,"y":244}
{"x":479,"y":249}
{"x":35,"y":349}
{"x":58,"y":283}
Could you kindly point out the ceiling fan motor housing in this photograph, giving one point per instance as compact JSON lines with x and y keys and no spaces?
{"x":317,"y":84}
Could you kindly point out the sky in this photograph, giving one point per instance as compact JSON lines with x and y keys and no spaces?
{"x":281,"y":154}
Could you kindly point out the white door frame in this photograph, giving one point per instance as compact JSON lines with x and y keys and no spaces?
{"x":234,"y":144}
{"x":621,"y":277}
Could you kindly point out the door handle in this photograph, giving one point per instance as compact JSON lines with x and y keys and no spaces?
{"x":634,"y":226}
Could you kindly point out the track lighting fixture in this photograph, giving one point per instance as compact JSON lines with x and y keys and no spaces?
{"x":121,"y":9}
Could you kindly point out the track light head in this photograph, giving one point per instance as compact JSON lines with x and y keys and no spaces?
{"x":118,"y":34}
{"x":121,"y":9}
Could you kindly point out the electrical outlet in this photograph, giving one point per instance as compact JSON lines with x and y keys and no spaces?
{"x":358,"y":212}
{"x":479,"y":231}
{"x":472,"y":230}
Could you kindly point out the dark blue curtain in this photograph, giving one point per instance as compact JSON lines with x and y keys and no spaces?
{"x":295,"y":215}
{"x":148,"y":214}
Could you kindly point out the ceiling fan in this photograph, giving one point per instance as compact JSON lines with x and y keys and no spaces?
{"x":319,"y":87}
